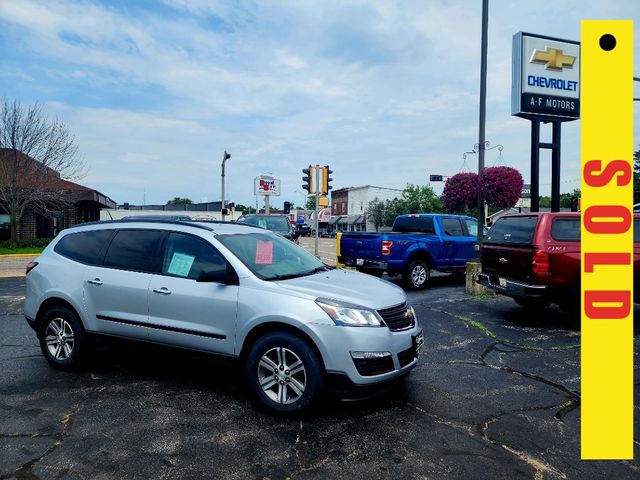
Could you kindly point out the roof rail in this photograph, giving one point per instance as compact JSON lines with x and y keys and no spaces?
{"x":190,"y":223}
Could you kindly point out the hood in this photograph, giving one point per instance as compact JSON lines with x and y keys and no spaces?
{"x":348,"y":286}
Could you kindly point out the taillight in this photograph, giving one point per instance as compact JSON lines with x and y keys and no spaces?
{"x":31,"y":266}
{"x":386,"y":247}
{"x":541,"y":264}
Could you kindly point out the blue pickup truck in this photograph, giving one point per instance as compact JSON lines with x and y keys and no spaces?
{"x":417,"y":244}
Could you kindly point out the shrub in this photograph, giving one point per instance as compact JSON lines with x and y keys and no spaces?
{"x":460,"y":192}
{"x":31,"y":243}
{"x":501,"y":186}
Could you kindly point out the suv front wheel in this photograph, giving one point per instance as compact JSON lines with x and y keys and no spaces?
{"x":284,"y":372}
{"x":61,"y":338}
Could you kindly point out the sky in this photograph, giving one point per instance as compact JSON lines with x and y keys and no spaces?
{"x":384,"y":92}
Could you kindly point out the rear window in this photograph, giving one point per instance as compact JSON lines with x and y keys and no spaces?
{"x":275,"y":224}
{"x":85,"y":247}
{"x":414,"y":224}
{"x":138,"y":250}
{"x":636,"y":230}
{"x":513,"y":230}
{"x":566,"y":229}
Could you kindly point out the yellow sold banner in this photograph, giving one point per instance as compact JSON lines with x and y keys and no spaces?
{"x":607,"y":239}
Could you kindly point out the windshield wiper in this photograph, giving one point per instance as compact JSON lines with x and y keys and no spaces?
{"x":286,"y":276}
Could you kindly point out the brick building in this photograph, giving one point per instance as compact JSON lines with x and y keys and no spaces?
{"x":81,"y":203}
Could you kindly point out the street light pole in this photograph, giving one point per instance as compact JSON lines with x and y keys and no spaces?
{"x":483,"y":113}
{"x":226,"y":156}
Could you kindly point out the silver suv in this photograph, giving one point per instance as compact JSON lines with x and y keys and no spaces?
{"x":295,"y":324}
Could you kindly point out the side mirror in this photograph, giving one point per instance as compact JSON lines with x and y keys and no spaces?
{"x":221,"y":275}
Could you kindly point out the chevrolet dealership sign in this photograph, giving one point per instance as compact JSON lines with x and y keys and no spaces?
{"x":546,"y":77}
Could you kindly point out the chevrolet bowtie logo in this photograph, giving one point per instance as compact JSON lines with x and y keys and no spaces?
{"x":553,"y":57}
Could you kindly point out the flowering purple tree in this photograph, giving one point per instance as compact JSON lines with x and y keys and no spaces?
{"x":501,"y":186}
{"x":460,"y":192}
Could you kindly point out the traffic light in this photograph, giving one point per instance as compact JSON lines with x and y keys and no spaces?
{"x":326,"y":179}
{"x":287,"y":207}
{"x":309,"y":185}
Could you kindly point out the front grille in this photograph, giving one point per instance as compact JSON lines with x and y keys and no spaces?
{"x":407,"y":356}
{"x":373,"y":366}
{"x":396,"y":318}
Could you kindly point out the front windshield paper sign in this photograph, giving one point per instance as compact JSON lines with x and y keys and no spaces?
{"x":180,"y":264}
{"x":264,"y":252}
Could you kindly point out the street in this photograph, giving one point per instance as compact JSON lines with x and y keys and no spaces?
{"x":326,"y":248}
{"x":496,"y":394}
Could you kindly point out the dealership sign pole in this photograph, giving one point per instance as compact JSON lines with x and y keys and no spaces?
{"x":545,"y":89}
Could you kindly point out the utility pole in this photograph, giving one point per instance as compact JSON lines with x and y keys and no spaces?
{"x":317,"y":175}
{"x":226,"y":156}
{"x":483,"y":114}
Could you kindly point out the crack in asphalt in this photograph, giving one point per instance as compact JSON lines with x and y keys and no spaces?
{"x":24,"y":472}
{"x":573,"y":400}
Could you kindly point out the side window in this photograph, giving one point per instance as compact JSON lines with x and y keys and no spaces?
{"x":187,"y":256}
{"x":138,"y":250}
{"x":452,"y":227}
{"x":636,"y":230}
{"x":85,"y":247}
{"x":566,"y":229}
{"x":472,"y":227}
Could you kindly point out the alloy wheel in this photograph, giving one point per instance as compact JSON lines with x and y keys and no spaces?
{"x":282,"y":375}
{"x":59,"y":338}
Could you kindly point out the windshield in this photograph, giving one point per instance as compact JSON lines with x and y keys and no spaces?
{"x":271,"y":257}
{"x":275,"y":224}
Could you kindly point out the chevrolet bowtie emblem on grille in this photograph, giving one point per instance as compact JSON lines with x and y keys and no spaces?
{"x":503,"y":260}
{"x":553,"y":57}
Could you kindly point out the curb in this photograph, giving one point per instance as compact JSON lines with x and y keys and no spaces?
{"x":18,"y":255}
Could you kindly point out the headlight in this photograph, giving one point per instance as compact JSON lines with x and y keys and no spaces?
{"x":349,"y":315}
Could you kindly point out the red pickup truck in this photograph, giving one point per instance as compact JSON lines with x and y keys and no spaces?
{"x":535,"y":259}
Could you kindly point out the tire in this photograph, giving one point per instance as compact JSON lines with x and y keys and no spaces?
{"x":531,"y":303}
{"x":61,"y":338}
{"x":284,"y":392}
{"x":417,"y":275}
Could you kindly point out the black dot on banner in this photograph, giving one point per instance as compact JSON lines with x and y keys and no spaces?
{"x":607,"y":42}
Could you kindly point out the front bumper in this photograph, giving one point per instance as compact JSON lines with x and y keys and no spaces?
{"x":511,"y":288}
{"x":339,"y":343}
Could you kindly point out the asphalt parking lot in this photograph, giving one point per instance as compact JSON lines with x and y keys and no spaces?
{"x":495,"y":395}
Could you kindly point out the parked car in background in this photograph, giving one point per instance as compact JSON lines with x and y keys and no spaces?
{"x":417,"y":244}
{"x":292,"y":323}
{"x":158,"y":218}
{"x":276,"y":223}
{"x":535,"y":259}
{"x":303,"y":230}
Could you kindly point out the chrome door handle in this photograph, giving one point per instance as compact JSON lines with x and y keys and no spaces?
{"x":95,"y":281}
{"x":162,"y":291}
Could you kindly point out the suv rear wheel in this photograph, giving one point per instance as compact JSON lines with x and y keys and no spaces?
{"x":284,"y":372}
{"x":61,"y":338}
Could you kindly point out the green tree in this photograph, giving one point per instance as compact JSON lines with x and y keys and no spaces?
{"x":375,"y":212}
{"x":420,"y":199}
{"x":179,"y":201}
{"x":544,"y":202}
{"x":244,"y":209}
{"x":311,"y":203}
{"x":392,"y":208}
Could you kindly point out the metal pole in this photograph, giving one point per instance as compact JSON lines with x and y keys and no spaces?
{"x":535,"y":165}
{"x":555,"y":168}
{"x":483,"y":111}
{"x":317,"y":177}
{"x":267,"y":205}
{"x":225,"y":157}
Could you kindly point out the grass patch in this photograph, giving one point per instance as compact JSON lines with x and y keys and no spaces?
{"x":480,"y":326}
{"x":21,"y":250}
